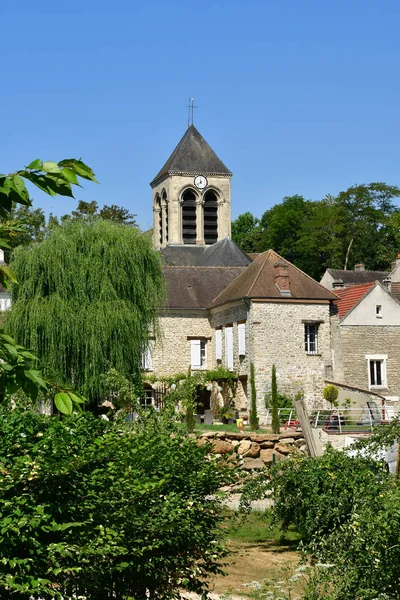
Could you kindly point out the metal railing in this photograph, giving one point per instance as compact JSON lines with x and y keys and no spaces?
{"x":341,"y":420}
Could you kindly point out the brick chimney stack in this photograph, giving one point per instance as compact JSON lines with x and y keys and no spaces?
{"x":359,"y":267}
{"x":282,"y":278}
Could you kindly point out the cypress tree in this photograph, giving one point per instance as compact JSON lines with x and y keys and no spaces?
{"x":86,"y":301}
{"x":275,"y":425}
{"x":253,"y":414}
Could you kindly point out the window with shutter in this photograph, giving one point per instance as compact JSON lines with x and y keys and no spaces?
{"x":229,"y":347}
{"x":218,"y":344}
{"x":242,"y":338}
{"x":198,"y":354}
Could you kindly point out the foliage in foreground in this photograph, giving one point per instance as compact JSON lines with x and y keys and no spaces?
{"x":91,"y":508}
{"x":19,"y":367}
{"x":348,"y":511}
{"x":86,"y":301}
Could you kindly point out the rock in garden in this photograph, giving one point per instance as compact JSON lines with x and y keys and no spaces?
{"x":222,"y":447}
{"x":289,"y":441}
{"x":267,"y":445}
{"x":284,"y":449}
{"x":253,"y":463}
{"x":266,"y":456}
{"x":244,"y":446}
{"x":300,"y":442}
{"x":253,"y":451}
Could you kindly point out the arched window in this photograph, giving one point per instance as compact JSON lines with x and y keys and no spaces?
{"x":210,"y":218}
{"x":189,"y":217}
{"x":159,"y":217}
{"x":165,"y":203}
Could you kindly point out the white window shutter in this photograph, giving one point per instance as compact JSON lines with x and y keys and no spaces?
{"x":229,"y":347}
{"x":242,"y":338}
{"x":218,"y":344}
{"x":195,"y":354}
{"x":147,"y":358}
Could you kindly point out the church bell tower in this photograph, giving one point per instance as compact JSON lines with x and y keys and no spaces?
{"x":191,"y":195}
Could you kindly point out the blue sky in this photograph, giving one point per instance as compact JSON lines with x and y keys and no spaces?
{"x":295,"y":96}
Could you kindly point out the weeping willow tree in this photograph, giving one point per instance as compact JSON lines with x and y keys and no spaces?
{"x":86,"y":300}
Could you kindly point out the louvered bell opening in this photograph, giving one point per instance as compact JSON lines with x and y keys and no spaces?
{"x":210,"y":219}
{"x":189,"y":218}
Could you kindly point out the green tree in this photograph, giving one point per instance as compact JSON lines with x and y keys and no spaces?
{"x":253,"y":412}
{"x":98,"y":510}
{"x":110,"y":213}
{"x":247,"y":233}
{"x":86,"y":301}
{"x":275,"y":424}
{"x":30,"y":224}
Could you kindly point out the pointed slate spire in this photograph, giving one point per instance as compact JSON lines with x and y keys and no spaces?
{"x":192,"y":155}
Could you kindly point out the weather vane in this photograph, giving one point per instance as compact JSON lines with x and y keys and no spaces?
{"x":191,"y":108}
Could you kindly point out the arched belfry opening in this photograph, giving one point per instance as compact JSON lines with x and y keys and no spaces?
{"x":210,"y":217}
{"x":165,"y":207}
{"x":189,"y":217}
{"x":158,"y":216}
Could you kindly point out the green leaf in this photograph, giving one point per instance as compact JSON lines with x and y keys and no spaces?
{"x":19,"y":187}
{"x":12,"y":351}
{"x":36,"y":377}
{"x":50,"y":167}
{"x":76,"y":398}
{"x":63,"y":403}
{"x":35,"y":165}
{"x":70,"y":176}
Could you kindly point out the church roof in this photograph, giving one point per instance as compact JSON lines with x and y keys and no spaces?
{"x":192,"y":155}
{"x":196,"y":287}
{"x":224,"y":253}
{"x":258,"y":281}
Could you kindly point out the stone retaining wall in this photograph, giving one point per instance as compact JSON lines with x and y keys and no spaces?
{"x":255,"y":451}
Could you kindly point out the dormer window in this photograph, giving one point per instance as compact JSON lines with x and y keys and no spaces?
{"x":378,"y":311}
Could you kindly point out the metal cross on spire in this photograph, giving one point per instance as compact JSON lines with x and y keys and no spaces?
{"x":191,"y":108}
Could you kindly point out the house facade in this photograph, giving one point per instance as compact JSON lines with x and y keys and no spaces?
{"x":369,"y":338}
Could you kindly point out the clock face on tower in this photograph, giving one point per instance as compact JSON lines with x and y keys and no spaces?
{"x":200,"y":182}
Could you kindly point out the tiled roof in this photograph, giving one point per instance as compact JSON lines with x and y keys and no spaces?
{"x":224,"y":253}
{"x":192,"y":155}
{"x":357,"y":277}
{"x":258,"y":281}
{"x":196,"y":287}
{"x":350,"y":296}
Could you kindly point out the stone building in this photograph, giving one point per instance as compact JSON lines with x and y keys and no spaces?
{"x":225,"y":309}
{"x":369,"y":338}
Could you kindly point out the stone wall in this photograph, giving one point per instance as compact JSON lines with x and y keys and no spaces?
{"x":277,"y":337}
{"x":359,"y":341}
{"x":255,"y":451}
{"x":171,"y":352}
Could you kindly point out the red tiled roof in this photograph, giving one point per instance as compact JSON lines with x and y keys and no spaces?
{"x":350,"y":296}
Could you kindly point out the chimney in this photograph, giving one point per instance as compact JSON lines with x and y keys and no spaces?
{"x":282,"y":278}
{"x":359,"y":267}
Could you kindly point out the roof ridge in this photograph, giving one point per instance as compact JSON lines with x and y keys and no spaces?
{"x":260,"y":270}
{"x":205,"y":266}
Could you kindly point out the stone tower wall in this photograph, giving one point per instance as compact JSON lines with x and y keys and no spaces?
{"x":174,"y":186}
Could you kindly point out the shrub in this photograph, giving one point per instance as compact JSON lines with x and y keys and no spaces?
{"x":253,"y":412}
{"x":90,"y":508}
{"x":275,"y":424}
{"x":330,"y":394}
